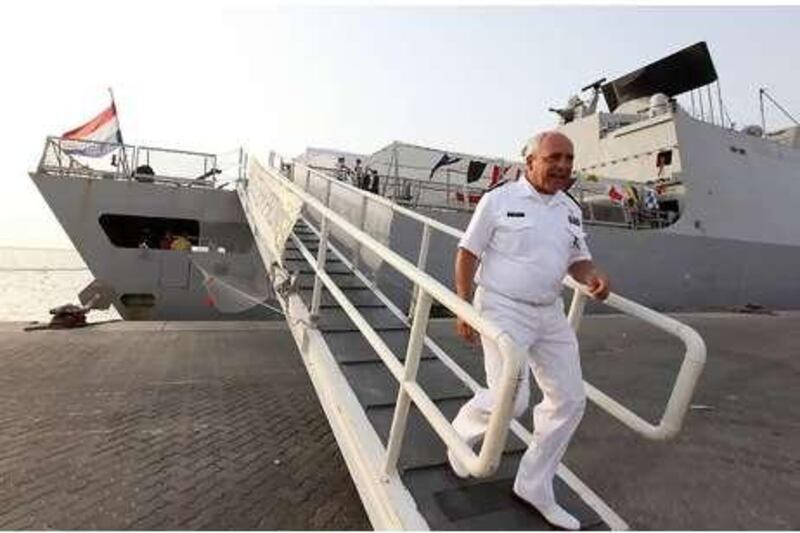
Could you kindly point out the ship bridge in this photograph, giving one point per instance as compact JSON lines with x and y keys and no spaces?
{"x":359,"y":295}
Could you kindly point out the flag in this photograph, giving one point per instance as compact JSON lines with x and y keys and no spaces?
{"x":632,"y":195}
{"x":615,"y":194}
{"x":104,"y":128}
{"x":444,"y":161}
{"x":650,"y":199}
{"x":497,"y":171}
{"x":475,"y":170}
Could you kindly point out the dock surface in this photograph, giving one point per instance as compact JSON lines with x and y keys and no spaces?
{"x":735,"y":464}
{"x":166,"y":426}
{"x":216,"y":426}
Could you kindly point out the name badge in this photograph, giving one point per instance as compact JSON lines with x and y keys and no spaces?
{"x":515,"y":214}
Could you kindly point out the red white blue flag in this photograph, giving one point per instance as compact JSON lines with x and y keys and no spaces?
{"x":102,"y":131}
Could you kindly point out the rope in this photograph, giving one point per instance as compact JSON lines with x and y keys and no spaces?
{"x":285,"y":289}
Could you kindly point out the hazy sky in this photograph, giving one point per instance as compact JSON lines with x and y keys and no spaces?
{"x":212,"y":76}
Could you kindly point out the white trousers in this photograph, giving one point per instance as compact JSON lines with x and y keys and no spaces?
{"x":553,"y":359}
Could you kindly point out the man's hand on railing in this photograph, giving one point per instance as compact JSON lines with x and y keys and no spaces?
{"x":466,"y":332}
{"x":596,"y":281}
{"x":598,"y":285}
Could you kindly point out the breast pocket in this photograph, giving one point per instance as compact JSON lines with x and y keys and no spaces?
{"x":515,"y":238}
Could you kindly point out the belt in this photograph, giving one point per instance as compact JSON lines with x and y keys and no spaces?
{"x":519,"y":300}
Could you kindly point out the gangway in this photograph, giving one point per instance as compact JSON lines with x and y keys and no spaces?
{"x":378,"y":375}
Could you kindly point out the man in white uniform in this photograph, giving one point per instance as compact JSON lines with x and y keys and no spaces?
{"x":526,"y":235}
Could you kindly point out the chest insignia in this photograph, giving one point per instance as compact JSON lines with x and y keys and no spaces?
{"x":515,"y":214}
{"x":575,"y":221}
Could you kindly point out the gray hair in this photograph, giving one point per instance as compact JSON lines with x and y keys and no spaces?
{"x":532,"y":146}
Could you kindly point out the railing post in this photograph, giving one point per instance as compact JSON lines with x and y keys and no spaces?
{"x":447,"y":188}
{"x":316,"y":296}
{"x":576,"y":309}
{"x":413,"y":356}
{"x":361,"y":220}
{"x":328,"y":193}
{"x":422,"y":262}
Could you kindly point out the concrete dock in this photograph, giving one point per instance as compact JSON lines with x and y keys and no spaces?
{"x":216,"y":426}
{"x":166,"y":426}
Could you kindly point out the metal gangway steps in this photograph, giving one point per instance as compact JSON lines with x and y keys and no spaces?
{"x":389,"y":390}
{"x":446,"y":501}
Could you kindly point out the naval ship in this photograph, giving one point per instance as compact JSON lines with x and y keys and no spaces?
{"x":683,"y":210}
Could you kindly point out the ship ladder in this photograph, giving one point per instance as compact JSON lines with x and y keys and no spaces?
{"x":389,"y":391}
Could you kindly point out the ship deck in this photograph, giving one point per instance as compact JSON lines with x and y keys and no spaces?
{"x":169,"y":425}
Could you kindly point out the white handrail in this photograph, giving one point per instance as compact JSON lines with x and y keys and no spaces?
{"x":444,"y":228}
{"x":692,"y":366}
{"x":693,"y":360}
{"x":488,"y":459}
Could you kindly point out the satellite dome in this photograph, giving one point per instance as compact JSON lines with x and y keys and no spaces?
{"x":659,"y":103}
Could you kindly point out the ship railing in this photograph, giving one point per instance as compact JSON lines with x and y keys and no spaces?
{"x":450,"y":193}
{"x":416,"y":193}
{"x":455,"y":195}
{"x":102,"y":160}
{"x":315,"y":189}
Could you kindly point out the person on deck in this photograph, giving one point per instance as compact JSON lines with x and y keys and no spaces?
{"x":181,"y":243}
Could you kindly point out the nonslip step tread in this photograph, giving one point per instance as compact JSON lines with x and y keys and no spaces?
{"x":351,"y":347}
{"x":428,"y":449}
{"x":375,"y":385}
{"x":335,"y":319}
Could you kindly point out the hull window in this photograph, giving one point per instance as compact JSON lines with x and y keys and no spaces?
{"x":663,"y":159}
{"x":127,"y":231}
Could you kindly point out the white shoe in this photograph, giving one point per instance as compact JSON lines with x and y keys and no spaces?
{"x":554,"y":514}
{"x":457,"y":466}
{"x":557,"y":516}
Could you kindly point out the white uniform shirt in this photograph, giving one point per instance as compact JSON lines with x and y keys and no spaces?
{"x":525,"y":244}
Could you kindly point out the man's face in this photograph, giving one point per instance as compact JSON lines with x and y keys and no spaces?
{"x":550,"y":170}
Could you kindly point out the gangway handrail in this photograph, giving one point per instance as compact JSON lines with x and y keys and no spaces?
{"x":695,"y":348}
{"x":486,"y":461}
{"x":444,"y":228}
{"x":691,"y":367}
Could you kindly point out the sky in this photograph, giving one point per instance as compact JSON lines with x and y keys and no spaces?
{"x":213,"y":76}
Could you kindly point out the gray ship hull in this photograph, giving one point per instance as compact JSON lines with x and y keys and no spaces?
{"x":151,"y":283}
{"x":661,"y":269}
